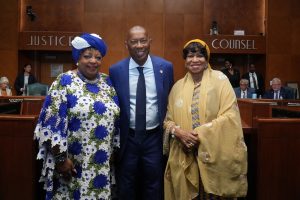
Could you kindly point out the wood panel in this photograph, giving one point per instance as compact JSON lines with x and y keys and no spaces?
{"x":8,"y":39}
{"x":18,"y":178}
{"x":170,"y":23}
{"x":52,"y":15}
{"x":278,"y":162}
{"x":283,"y":54}
{"x":282,"y":22}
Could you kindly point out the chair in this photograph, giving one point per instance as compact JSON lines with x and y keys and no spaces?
{"x":291,"y":91}
{"x":295,"y":86}
{"x":37,"y":89}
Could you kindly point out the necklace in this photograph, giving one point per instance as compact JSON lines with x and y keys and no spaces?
{"x":197,"y":84}
{"x":95,"y":81}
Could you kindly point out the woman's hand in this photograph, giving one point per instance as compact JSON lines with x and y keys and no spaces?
{"x":189,"y":139}
{"x":66,"y":169}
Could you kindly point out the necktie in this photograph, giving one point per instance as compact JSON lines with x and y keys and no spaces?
{"x":254,"y":81}
{"x":244,"y":94}
{"x":276,"y":95}
{"x":140,"y":106}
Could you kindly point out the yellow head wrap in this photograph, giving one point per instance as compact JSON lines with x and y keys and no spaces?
{"x":202,"y":43}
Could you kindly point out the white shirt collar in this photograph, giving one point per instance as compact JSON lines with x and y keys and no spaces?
{"x":133,"y":64}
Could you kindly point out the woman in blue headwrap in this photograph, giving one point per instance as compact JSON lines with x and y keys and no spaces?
{"x":76,"y":130}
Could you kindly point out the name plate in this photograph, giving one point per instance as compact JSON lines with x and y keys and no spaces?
{"x":236,"y":44}
{"x":46,"y":40}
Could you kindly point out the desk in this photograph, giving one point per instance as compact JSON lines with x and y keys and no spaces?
{"x":24,"y":105}
{"x":18,"y":173}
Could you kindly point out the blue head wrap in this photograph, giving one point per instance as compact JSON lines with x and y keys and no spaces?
{"x":87,"y":40}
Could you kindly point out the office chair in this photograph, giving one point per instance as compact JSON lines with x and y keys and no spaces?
{"x":37,"y":89}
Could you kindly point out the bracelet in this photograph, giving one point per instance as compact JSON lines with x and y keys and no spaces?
{"x":60,"y":158}
{"x":173,"y":131}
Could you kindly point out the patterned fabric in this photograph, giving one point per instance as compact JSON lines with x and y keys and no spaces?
{"x":194,"y":107}
{"x":81,"y":119}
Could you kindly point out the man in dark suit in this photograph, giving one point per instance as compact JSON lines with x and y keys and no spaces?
{"x":140,"y":167}
{"x":256,"y":80}
{"x":277,"y":91}
{"x":244,"y":91}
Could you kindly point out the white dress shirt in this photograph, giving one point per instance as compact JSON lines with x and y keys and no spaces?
{"x":251,"y":76}
{"x":152,"y":120}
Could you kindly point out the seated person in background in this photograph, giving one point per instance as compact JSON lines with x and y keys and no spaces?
{"x":277,"y":91}
{"x":256,"y":80}
{"x":4,"y":87}
{"x":24,"y":79}
{"x":244,"y":91}
{"x":232,"y":73}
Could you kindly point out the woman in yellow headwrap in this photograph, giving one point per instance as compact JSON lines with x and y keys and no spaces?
{"x":203,"y":134}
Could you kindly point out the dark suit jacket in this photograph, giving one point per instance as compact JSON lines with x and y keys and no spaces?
{"x":284,"y":93}
{"x":119,"y":75}
{"x":19,"y":82}
{"x":237,"y":92}
{"x":260,"y":82}
{"x":233,"y":79}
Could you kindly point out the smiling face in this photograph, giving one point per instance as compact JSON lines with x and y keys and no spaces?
{"x":196,"y":63}
{"x":138,"y":44}
{"x":89,"y":63}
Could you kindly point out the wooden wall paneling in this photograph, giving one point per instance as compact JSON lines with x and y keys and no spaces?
{"x":174,"y":33}
{"x":175,"y":6}
{"x":54,"y":15}
{"x":8,"y":42}
{"x":192,"y":26}
{"x":277,"y":8}
{"x":295,"y":35}
{"x":111,"y":30}
{"x":282,"y":56}
{"x":9,"y":65}
{"x":155,"y":26}
{"x":295,"y":7}
{"x":156,"y":6}
{"x":18,"y":157}
{"x":278,"y":66}
{"x":112,"y":6}
{"x":279,"y":39}
{"x":278,"y":174}
{"x":135,"y":7}
{"x":228,"y":15}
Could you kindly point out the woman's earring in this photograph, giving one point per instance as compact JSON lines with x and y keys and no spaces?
{"x":206,"y":65}
{"x":77,"y":64}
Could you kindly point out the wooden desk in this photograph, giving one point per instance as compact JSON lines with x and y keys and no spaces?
{"x":273,"y":149}
{"x":251,"y":109}
{"x":278,"y":159}
{"x":18,"y":173}
{"x":24,"y":105}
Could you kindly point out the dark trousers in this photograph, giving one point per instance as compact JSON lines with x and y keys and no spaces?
{"x":140,"y":171}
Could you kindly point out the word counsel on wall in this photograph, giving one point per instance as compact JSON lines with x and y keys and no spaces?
{"x":236,"y":44}
{"x":233,"y":44}
{"x":46,"y":40}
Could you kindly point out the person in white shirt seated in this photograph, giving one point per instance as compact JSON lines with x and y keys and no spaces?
{"x":277,"y":91}
{"x":244,"y":91}
{"x":4,"y":87}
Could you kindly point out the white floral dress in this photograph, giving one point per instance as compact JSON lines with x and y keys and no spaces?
{"x":81,"y":118}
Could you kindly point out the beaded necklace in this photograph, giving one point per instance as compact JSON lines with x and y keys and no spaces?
{"x":95,"y":81}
